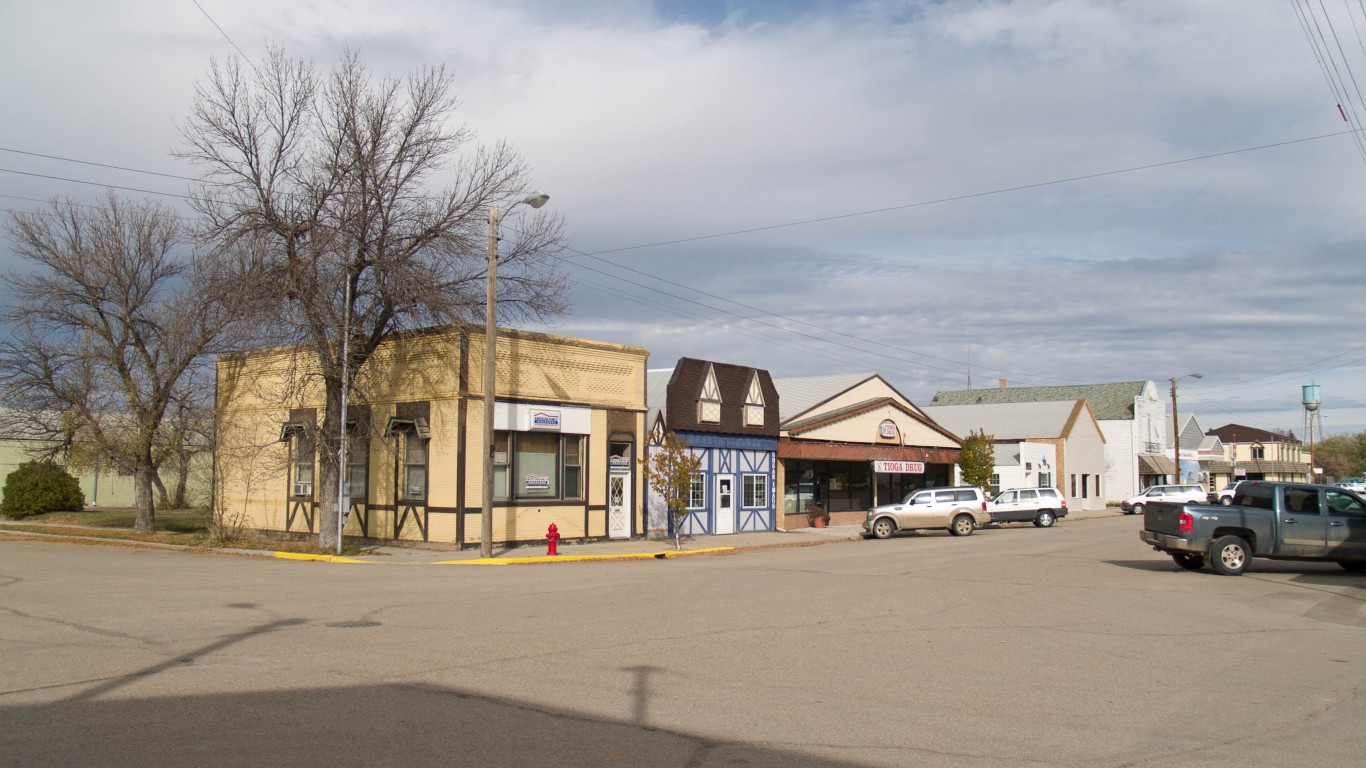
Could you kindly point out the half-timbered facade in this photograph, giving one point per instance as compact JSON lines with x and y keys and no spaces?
{"x":728,"y":416}
{"x":568,"y":418}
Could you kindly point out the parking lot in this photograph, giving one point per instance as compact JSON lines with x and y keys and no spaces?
{"x":1069,"y":646}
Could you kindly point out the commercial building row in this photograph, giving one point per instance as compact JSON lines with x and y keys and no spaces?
{"x":573,"y":418}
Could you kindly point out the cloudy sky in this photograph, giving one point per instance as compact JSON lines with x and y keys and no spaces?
{"x":1046,"y":192}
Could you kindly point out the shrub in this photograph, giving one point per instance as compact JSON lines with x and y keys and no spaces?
{"x":37,"y":487}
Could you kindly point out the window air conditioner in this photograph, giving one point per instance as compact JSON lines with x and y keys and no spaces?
{"x":303,"y":489}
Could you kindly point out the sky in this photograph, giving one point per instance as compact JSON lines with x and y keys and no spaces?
{"x":949,"y":193}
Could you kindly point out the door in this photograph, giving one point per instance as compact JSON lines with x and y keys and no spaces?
{"x":1346,"y":526}
{"x":725,"y":504}
{"x":619,"y":505}
{"x":1304,"y":528}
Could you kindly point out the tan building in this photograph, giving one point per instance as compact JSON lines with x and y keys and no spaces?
{"x":569,"y":418}
{"x":1257,"y":454}
{"x":851,"y":441}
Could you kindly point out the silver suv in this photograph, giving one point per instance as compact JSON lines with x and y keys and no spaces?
{"x":960,"y":509}
{"x":1176,"y":494}
{"x":1040,"y":506}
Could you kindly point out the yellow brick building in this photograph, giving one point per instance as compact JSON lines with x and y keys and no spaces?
{"x":569,"y":418}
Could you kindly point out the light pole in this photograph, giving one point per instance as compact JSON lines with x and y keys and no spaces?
{"x":1176,"y":427}
{"x":535,"y":200}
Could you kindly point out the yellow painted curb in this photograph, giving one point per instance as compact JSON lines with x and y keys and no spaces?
{"x":320,"y":558}
{"x":586,"y":558}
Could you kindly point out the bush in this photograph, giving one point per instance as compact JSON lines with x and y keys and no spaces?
{"x":38,"y":487}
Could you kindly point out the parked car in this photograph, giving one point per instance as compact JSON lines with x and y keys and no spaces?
{"x":1279,"y":521}
{"x":1352,"y":484}
{"x":1040,"y":506}
{"x":1177,"y":494}
{"x":1225,"y":496}
{"x":960,"y":509}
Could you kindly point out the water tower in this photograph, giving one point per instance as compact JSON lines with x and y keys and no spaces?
{"x":1313,"y":420}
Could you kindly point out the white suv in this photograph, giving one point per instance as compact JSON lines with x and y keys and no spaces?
{"x":1040,"y":506}
{"x":960,"y":509}
{"x":1176,"y":494}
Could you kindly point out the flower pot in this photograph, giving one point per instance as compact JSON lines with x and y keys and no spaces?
{"x":818,"y":523}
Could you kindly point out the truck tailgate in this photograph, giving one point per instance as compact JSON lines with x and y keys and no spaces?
{"x":1163,"y":517}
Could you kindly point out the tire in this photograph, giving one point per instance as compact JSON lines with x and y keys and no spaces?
{"x":1226,"y":501}
{"x":963,"y":525}
{"x":883,"y":528}
{"x":1230,"y":556}
{"x":1045,"y":519}
{"x":1136,"y":509}
{"x":1355,"y":566}
{"x":1191,"y":561}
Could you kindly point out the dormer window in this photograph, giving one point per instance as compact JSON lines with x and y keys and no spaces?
{"x":709,"y":404}
{"x":754,"y":404}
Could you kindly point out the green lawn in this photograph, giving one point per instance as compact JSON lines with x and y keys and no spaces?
{"x":169,"y":521}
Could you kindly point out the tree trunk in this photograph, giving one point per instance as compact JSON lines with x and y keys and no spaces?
{"x":163,"y":499}
{"x":145,"y":521}
{"x":328,"y":533}
{"x":182,"y":480}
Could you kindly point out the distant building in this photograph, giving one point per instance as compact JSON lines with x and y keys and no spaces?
{"x":1256,"y":454}
{"x":1131,"y":415}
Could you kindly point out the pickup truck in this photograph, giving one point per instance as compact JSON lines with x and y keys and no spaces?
{"x":1278,"y":521}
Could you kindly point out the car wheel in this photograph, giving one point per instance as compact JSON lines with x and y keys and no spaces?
{"x":1136,"y":509}
{"x":1226,"y":501}
{"x":1045,"y":519}
{"x":883,"y":528}
{"x":1189,"y":560}
{"x":1230,"y":555}
{"x":963,"y":525}
{"x":1355,"y":566}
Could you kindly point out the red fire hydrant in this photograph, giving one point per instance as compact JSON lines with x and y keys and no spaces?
{"x":552,"y":538}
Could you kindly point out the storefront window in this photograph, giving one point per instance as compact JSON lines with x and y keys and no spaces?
{"x":541,"y":466}
{"x":756,"y":491}
{"x":357,"y":459}
{"x":697,"y":491}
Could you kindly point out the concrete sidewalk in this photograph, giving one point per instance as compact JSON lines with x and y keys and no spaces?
{"x":634,"y":549}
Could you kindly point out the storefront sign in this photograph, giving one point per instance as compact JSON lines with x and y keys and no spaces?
{"x":899,"y":467}
{"x":545,"y":420}
{"x":887,"y":430}
{"x":618,"y":462}
{"x":536,"y":482}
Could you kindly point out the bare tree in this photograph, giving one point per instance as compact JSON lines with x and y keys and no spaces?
{"x":112,"y":316}
{"x":668,"y":469}
{"x":371,"y":208}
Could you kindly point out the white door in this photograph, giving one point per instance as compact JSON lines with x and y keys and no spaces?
{"x":619,"y":506}
{"x":725,"y":504}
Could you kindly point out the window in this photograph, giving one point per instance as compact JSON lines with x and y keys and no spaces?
{"x":754,"y":404}
{"x":1258,"y":452}
{"x":304,"y":448}
{"x":357,"y":461}
{"x":1340,"y":503}
{"x":414,"y":465}
{"x":1098,"y":486}
{"x":756,"y":491}
{"x":1085,"y":486}
{"x":697,"y":491}
{"x":709,"y":404}
{"x":1074,"y":487}
{"x":1045,"y":480}
{"x":1304,"y":501}
{"x":541,"y":466}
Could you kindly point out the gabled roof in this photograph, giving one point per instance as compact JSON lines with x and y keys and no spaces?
{"x":656,"y":394}
{"x":824,"y":418}
{"x":674,"y":395}
{"x":800,"y":394}
{"x":1110,"y":402}
{"x":1011,"y":421}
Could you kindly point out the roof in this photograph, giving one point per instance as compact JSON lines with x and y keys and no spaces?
{"x":1007,"y":421}
{"x":799,"y":394}
{"x":1237,"y":433}
{"x":656,"y":394}
{"x":1110,"y":402}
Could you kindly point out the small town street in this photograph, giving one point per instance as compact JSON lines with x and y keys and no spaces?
{"x":1016,"y":646}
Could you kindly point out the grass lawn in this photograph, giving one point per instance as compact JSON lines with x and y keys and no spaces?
{"x":185,"y":527}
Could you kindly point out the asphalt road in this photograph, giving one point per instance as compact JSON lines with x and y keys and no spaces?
{"x":1072,"y":646}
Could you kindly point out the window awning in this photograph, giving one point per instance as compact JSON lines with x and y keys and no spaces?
{"x":1150,"y":464}
{"x":290,"y":429}
{"x":417,"y":424}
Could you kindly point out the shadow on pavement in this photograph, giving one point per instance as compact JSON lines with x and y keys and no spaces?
{"x":384,"y":725}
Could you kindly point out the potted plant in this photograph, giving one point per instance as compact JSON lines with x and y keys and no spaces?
{"x":817,"y":515}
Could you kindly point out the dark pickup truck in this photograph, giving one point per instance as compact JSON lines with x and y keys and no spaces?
{"x":1278,"y":521}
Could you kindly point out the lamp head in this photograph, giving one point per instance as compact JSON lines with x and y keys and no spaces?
{"x":535,"y":199}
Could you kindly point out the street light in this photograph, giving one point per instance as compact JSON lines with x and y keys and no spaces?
{"x":1176,"y":427}
{"x":535,"y":200}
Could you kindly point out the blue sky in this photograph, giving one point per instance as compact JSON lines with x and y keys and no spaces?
{"x":1046,"y":192}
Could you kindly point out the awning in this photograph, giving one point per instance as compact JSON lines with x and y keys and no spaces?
{"x":825,"y":451}
{"x":1149,"y":464}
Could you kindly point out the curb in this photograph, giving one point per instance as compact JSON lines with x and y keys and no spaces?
{"x":588,"y":558}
